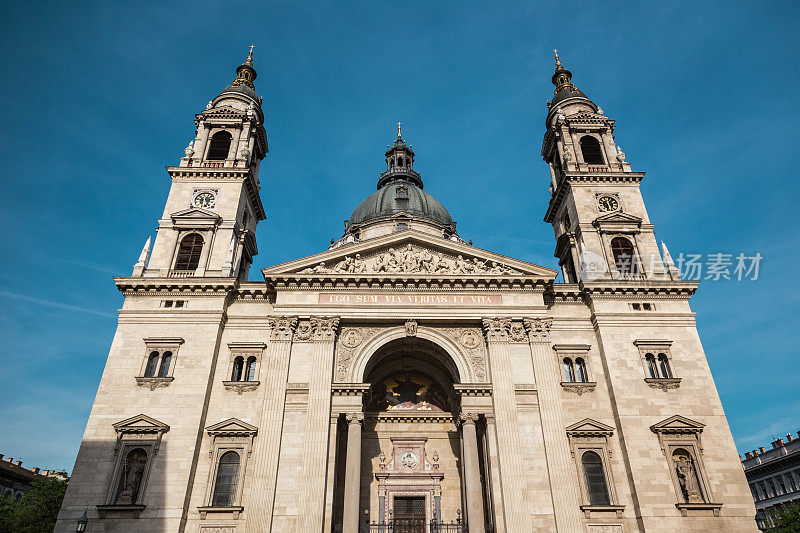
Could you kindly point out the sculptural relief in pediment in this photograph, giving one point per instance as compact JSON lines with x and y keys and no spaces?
{"x":411,"y":259}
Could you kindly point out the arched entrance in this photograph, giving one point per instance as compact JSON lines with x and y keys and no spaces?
{"x":412,"y":455}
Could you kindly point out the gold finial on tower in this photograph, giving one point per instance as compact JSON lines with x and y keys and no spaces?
{"x":558,"y":61}
{"x":250,"y":55}
{"x":399,"y":133}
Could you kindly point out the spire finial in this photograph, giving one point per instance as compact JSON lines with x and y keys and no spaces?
{"x":250,"y":55}
{"x":558,"y":61}
{"x":399,"y":132}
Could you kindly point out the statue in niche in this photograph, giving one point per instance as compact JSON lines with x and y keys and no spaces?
{"x":131,"y":480}
{"x":687,"y":477}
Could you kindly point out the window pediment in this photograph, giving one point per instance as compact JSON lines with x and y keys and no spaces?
{"x":195,"y":217}
{"x":140,"y":425}
{"x":617,"y":220}
{"x":677,"y":424}
{"x":232,"y":427}
{"x":589,"y":428}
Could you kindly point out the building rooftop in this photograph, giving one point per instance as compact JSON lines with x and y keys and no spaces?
{"x":780,"y":448}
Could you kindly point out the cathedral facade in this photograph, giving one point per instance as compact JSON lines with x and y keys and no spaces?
{"x":403,"y":379}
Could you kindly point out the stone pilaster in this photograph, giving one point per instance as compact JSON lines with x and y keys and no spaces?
{"x":315,"y":447}
{"x":505,"y":410}
{"x":327,"y":526}
{"x":267,"y":447}
{"x":472,"y":474}
{"x":352,"y":474}
{"x":494,"y":473}
{"x":561,"y":469}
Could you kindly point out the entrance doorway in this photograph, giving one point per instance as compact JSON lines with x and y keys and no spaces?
{"x":409,"y":514}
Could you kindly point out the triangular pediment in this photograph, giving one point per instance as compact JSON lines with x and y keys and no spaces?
{"x":232,"y":427}
{"x":195,"y":213}
{"x":677,"y":424}
{"x":405,"y":253}
{"x":587,"y":426}
{"x":140,"y":424}
{"x":618,"y":218}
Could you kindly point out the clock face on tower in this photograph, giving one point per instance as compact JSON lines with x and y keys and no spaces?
{"x":204,"y":199}
{"x":607,"y":203}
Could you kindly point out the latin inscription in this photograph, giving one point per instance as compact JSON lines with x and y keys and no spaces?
{"x":411,"y":299}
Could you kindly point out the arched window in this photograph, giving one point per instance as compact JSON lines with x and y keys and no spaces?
{"x":189,"y":252}
{"x":220,"y":146}
{"x":569,"y":370}
{"x":152,"y":365}
{"x":400,"y":161}
{"x":227,"y":479}
{"x":250,"y":374}
{"x":590,"y":148}
{"x":652,"y":369}
{"x":238,"y":367}
{"x":623,"y":256}
{"x":663,"y":366}
{"x":595,"y":479}
{"x":166,"y":359}
{"x":580,"y":371}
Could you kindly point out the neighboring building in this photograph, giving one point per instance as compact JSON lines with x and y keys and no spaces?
{"x":774,"y":477}
{"x":16,"y":480}
{"x":402,"y":374}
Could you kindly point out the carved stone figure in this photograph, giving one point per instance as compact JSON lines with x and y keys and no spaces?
{"x":411,"y":328}
{"x":409,"y":260}
{"x":358,"y":265}
{"x":132,"y":474}
{"x":620,"y":155}
{"x":687,"y":477}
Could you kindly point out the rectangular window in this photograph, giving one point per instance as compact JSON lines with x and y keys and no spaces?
{"x":167,"y":303}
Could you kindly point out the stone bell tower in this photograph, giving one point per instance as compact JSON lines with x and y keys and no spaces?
{"x":597,"y":211}
{"x":209,"y":221}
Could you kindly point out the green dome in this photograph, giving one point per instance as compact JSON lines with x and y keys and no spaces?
{"x":400,"y":196}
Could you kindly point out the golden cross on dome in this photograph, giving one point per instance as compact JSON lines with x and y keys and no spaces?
{"x":251,"y":48}
{"x":399,"y":133}
{"x":558,"y":61}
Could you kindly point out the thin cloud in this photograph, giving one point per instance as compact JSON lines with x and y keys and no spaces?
{"x":57,"y":305}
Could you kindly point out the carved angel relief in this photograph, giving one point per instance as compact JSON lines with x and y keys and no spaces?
{"x":412,"y":259}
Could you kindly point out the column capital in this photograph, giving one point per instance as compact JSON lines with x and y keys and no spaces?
{"x":325,"y":328}
{"x":354,"y":418}
{"x":282,"y":327}
{"x":538,"y":328}
{"x":317,"y":328}
{"x":496,"y":329}
{"x":468,"y":418}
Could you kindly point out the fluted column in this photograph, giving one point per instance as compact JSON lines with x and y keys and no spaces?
{"x":275,"y":370}
{"x":472,"y":474}
{"x":505,"y":411}
{"x":317,"y":432}
{"x":561,"y":469}
{"x":352,"y":473}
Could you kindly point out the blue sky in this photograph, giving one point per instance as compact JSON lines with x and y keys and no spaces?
{"x":99,"y":96}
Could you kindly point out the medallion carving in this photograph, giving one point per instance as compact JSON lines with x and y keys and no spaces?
{"x":349,"y":341}
{"x":411,"y":328}
{"x":473,"y":346}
